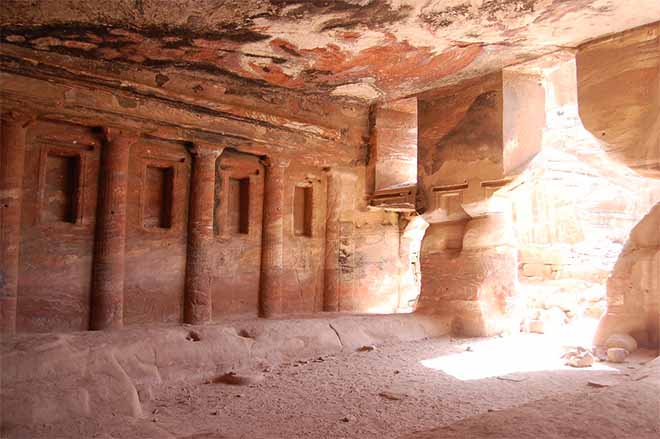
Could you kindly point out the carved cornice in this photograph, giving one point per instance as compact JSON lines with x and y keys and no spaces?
{"x":205,"y":149}
{"x":22,"y":118}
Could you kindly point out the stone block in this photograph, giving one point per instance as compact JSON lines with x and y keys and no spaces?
{"x":536,"y":326}
{"x":537,"y":270}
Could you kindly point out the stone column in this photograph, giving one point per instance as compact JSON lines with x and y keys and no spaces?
{"x":341,"y":199}
{"x":12,"y":157}
{"x":489,"y":269}
{"x":272,"y":250}
{"x":107,"y":299}
{"x":200,"y":236}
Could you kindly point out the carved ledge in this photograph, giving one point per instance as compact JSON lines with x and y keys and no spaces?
{"x":276,"y":162}
{"x":21,"y":118}
{"x":399,"y":199}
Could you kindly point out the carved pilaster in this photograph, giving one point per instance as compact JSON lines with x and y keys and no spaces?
{"x":107,"y":297}
{"x":272,"y":253}
{"x":199,"y":268}
{"x":12,"y":156}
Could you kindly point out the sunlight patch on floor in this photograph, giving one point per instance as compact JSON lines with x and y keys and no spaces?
{"x":517,"y":354}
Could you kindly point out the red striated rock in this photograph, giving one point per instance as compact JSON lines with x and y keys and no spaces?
{"x":237,"y":226}
{"x":199,"y":265}
{"x":278,"y":159}
{"x":393,"y":49}
{"x":272,"y":262}
{"x":12,"y":157}
{"x":107,"y":304}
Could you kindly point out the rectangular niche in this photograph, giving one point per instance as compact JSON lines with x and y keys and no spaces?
{"x":61,"y":188}
{"x":158,"y":194}
{"x":239,"y":205}
{"x":302,"y":211}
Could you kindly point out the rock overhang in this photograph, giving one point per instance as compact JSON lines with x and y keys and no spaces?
{"x":368,"y":50}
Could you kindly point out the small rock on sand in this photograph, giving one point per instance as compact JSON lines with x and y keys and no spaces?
{"x":536,"y":326}
{"x":623,"y":341}
{"x":617,"y":355}
{"x":579,"y":357}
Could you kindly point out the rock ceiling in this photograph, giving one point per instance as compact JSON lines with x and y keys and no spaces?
{"x":369,"y":49}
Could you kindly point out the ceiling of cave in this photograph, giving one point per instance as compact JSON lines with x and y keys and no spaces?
{"x":369,"y":49}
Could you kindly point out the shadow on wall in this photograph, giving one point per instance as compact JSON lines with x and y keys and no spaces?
{"x":410,"y":279}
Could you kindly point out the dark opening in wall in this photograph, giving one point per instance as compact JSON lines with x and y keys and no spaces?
{"x":302,"y":211}
{"x":62,"y":186}
{"x":159,"y":185}
{"x":239,"y":205}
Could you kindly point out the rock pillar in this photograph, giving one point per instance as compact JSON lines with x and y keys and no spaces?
{"x":199,"y":266}
{"x":12,"y":155}
{"x":107,"y":299}
{"x":341,"y":201}
{"x":272,"y":253}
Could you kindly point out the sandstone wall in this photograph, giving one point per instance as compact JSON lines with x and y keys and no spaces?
{"x":628,"y":67}
{"x":155,"y":246}
{"x":574,"y":205}
{"x":619,"y":102}
{"x":619,"y":94}
{"x":305,"y":250}
{"x":569,"y":206}
{"x":468,"y":255}
{"x":633,"y":289}
{"x":460,"y":143}
{"x":310,"y":138}
{"x":238,"y":218}
{"x":393,"y":154}
{"x":56,"y":247}
{"x":362,"y":266}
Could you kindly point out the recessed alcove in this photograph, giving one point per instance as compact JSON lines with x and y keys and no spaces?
{"x":62,"y":186}
{"x":303,"y":204}
{"x":158,"y":197}
{"x":239,"y":205}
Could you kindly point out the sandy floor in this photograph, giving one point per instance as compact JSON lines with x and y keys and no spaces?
{"x":390,"y":392}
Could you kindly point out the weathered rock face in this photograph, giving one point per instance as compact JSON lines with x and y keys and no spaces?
{"x":469,"y":271}
{"x":619,"y":104}
{"x":362,"y":249}
{"x":633,"y":289}
{"x":571,"y":206}
{"x":203,"y":161}
{"x":233,"y":175}
{"x":238,"y":219}
{"x":577,"y":224}
{"x":57,"y":228}
{"x":468,"y":257}
{"x":619,"y":96}
{"x":185,"y":237}
{"x":347,"y":48}
{"x":394,"y":144}
{"x":51,"y":377}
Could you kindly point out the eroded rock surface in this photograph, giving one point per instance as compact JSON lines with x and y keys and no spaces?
{"x":348,"y":48}
{"x":54,"y":377}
